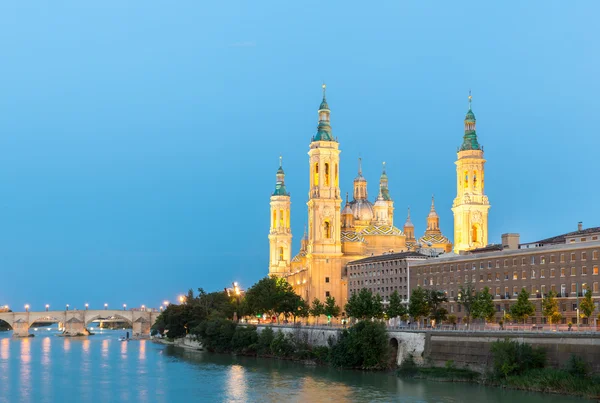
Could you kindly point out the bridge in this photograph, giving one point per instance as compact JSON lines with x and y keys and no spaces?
{"x":76,"y":322}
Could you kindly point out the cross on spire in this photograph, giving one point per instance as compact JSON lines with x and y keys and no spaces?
{"x":470,"y":98}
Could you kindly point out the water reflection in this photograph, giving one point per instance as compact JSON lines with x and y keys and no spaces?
{"x":25,"y":375}
{"x":236,"y":384}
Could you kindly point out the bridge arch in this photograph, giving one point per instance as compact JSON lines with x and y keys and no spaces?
{"x":394,"y":347}
{"x":45,"y":318}
{"x":4,"y":324}
{"x":88,"y":321}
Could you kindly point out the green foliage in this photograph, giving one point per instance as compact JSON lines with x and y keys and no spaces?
{"x":466,"y":298}
{"x":265,"y":338}
{"x":417,"y":305}
{"x":364,"y":305}
{"x":483,"y":306}
{"x":245,"y":339}
{"x":364,"y":345}
{"x":523,"y":308}
{"x":321,"y":353}
{"x":302,"y":310}
{"x":395,"y":308}
{"x":273,"y":296}
{"x":216,"y":334}
{"x":316,"y":309}
{"x":514,"y":358}
{"x":331,"y":309}
{"x":282,"y":345}
{"x":452,"y":319}
{"x":587,"y":306}
{"x":550,"y":308}
{"x":555,"y":381}
{"x":435,"y":299}
{"x":578,"y":367}
{"x":408,"y":368}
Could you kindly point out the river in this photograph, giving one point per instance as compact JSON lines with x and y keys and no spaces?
{"x":48,"y":368}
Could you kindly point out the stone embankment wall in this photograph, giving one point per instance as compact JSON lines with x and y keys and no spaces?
{"x":188,"y":342}
{"x":466,"y":349}
{"x":472,"y":350}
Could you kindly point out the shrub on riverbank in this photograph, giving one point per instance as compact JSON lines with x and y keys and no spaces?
{"x":364,"y":345}
{"x":514,"y":358}
{"x":449,"y":373}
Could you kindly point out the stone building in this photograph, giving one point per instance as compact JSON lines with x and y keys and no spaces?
{"x":567,"y":264}
{"x":336,"y":236}
{"x":383,"y":274}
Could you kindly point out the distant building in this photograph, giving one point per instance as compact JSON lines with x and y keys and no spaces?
{"x":567,"y":264}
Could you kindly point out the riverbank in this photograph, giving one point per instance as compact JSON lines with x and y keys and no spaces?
{"x":542,"y":380}
{"x":188,"y":342}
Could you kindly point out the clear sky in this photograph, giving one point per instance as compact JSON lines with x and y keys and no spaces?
{"x":139,"y":139}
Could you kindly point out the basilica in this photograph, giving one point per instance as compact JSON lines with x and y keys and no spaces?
{"x":362,"y":228}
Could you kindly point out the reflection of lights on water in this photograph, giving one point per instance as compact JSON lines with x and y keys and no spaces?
{"x":236,"y":382}
{"x":105,"y":348}
{"x":35,"y":329}
{"x":4,"y":350}
{"x":142,"y":350}
{"x":48,"y":329}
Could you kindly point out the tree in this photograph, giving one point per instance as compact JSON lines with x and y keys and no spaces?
{"x":550,"y":308}
{"x":395,"y":307}
{"x":452,"y":319}
{"x":417,"y":305}
{"x":435,"y":299}
{"x":586,"y":306}
{"x":331,"y":309}
{"x":271,"y":295}
{"x":364,"y":305}
{"x":302,"y":310}
{"x":317,"y":309}
{"x":466,"y":298}
{"x":483,"y":306}
{"x":523,"y":308}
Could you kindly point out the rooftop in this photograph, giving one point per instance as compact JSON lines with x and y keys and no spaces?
{"x":389,"y":256}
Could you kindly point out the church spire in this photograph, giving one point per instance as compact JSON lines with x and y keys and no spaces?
{"x":383,"y":185}
{"x":280,"y":189}
{"x":433,"y":220}
{"x":470,"y":138}
{"x":360,"y":183}
{"x":324,"y":128}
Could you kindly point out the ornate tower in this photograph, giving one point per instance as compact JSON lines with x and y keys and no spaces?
{"x":385,"y":194}
{"x":280,"y":235}
{"x":471,"y":205}
{"x":324,"y":257}
{"x":433,"y":221}
{"x":324,"y":200}
{"x":409,"y":230}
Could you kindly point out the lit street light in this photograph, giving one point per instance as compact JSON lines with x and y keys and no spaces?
{"x":86,"y":306}
{"x":143,"y":307}
{"x":47,"y":306}
{"x":181,"y":299}
{"x":67,"y":307}
{"x":105,"y":307}
{"x":124,"y":306}
{"x":26,"y":307}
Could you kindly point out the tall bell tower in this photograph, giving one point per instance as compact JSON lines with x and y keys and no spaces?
{"x":471,"y":205}
{"x":280,"y":234}
{"x":324,"y":252}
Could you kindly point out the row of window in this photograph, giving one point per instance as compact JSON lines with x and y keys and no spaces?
{"x":532,"y":261}
{"x":377,"y":273}
{"x":540,"y":290}
{"x":515,"y":275}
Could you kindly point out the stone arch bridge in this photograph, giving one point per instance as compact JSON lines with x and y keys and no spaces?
{"x":76,"y":322}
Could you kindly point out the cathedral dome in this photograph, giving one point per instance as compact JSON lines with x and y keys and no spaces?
{"x":470,"y":116}
{"x":362,"y":210}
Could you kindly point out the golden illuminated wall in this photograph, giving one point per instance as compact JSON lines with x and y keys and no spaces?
{"x":471,"y":205}
{"x":280,"y":235}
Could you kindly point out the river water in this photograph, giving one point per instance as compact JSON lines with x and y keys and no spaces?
{"x":101,"y":368}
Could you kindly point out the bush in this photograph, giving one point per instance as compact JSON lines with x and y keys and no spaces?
{"x":216,"y":334}
{"x":321,"y":353}
{"x":244,"y":339}
{"x":265,"y":338}
{"x":578,"y":367}
{"x":282,"y":345}
{"x":514,"y":358}
{"x":364,"y":345}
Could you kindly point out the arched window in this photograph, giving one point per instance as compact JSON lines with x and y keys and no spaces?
{"x":281,"y":254}
{"x":287,"y":224}
{"x":475,"y":179}
{"x":327,"y":229}
{"x":274,"y":222}
{"x":475,"y":234}
{"x":281,"y":219}
{"x":326,"y":174}
{"x":466,"y":179}
{"x":336,"y":175}
{"x":316,"y":175}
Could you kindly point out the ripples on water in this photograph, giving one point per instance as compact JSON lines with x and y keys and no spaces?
{"x":48,"y":368}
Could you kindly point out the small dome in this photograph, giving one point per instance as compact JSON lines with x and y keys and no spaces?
{"x":324,"y":105}
{"x":362,"y":210}
{"x":360,"y":178}
{"x":347,"y":210}
{"x":408,"y":224}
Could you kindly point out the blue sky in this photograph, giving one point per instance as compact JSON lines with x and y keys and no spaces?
{"x":139,"y":140}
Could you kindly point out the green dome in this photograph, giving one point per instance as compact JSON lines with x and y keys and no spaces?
{"x":280,"y":190}
{"x":323,"y":132}
{"x":324,"y":105}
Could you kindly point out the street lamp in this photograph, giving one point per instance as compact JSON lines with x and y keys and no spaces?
{"x":47,"y":306}
{"x":67,"y":307}
{"x":124,"y":306}
{"x":105,"y":307}
{"x":26,"y":307}
{"x":166,"y":303}
{"x":87,"y":306}
{"x":181,"y":299}
{"x":143,"y":307}
{"x":161,"y":308}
